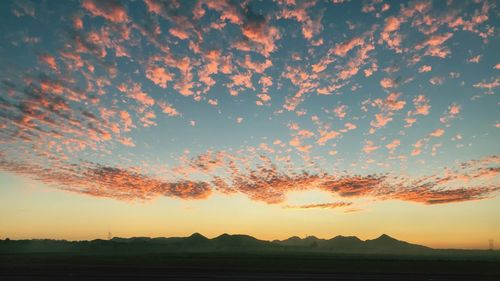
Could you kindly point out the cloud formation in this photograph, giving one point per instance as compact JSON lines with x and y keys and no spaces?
{"x":142,"y":99}
{"x":267,"y":183}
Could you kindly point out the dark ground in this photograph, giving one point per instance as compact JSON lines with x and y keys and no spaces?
{"x":240,"y":266}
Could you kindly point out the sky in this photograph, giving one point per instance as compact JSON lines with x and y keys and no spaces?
{"x":268,"y":118}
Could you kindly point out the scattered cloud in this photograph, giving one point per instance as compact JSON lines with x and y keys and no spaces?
{"x":78,"y":107}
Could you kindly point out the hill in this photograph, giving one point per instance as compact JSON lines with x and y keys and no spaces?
{"x":238,"y":243}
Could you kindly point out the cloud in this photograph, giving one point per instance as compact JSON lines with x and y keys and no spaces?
{"x":50,"y":61}
{"x":388,"y":106}
{"x":242,"y":79}
{"x":424,"y":68}
{"x":434,"y":45}
{"x":126,"y":120}
{"x":111,"y":182}
{"x":426,"y":195}
{"x":391,"y":103}
{"x":331,"y":205}
{"x":380,"y":120}
{"x":262,"y":34}
{"x":387,"y":83}
{"x":264,"y":99}
{"x":127,"y":141}
{"x":256,"y":66}
{"x":340,"y":111}
{"x":344,"y":48}
{"x":495,"y":83}
{"x":389,"y":34}
{"x":353,"y":186}
{"x":393,"y":145}
{"x":437,"y":133}
{"x":168,"y":109}
{"x":111,"y":10}
{"x":391,"y":24}
{"x":135,"y":92}
{"x":326,"y":136}
{"x":296,"y":142}
{"x":179,"y":33}
{"x":310,"y":27}
{"x":65,"y":106}
{"x":154,"y":7}
{"x":422,"y":106}
{"x":103,"y":181}
{"x":453,"y":111}
{"x":214,"y":60}
{"x":228,"y":11}
{"x":475,"y":59}
{"x":417,"y":147}
{"x":436,"y":80}
{"x":159,"y":75}
{"x":369,"y":147}
{"x":266,"y":183}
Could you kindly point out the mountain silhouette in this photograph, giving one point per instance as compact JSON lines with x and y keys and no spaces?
{"x":241,"y":257}
{"x":225,"y":242}
{"x":239,"y":241}
{"x":352,"y":244}
{"x":345,"y":243}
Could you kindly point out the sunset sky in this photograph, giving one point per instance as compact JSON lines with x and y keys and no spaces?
{"x":268,"y":118}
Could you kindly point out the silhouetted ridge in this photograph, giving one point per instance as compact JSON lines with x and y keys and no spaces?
{"x":386,"y":244}
{"x":238,"y":242}
{"x":196,"y":242}
{"x":385,"y":237}
{"x":197,"y":237}
{"x":352,"y":239}
{"x":345,"y":243}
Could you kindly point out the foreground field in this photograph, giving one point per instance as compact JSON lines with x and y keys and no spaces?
{"x":241,"y":266}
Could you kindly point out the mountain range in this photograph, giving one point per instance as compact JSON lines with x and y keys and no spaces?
{"x":223,"y":243}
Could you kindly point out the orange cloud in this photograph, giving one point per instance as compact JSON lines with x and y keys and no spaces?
{"x":369,"y":147}
{"x":393,"y":145}
{"x":388,"y":107}
{"x":342,"y":49}
{"x":136,"y":93}
{"x":387,"y":83}
{"x":159,"y":76}
{"x":50,"y":61}
{"x":111,"y":10}
{"x":126,"y":119}
{"x":340,"y":111}
{"x":389,"y":34}
{"x":326,"y":136}
{"x":488,"y":85}
{"x":179,"y":33}
{"x":421,"y":104}
{"x":453,"y":111}
{"x":262,"y":34}
{"x":424,"y":68}
{"x":332,"y":205}
{"x":168,"y":109}
{"x":437,"y":133}
{"x":310,"y":27}
{"x":434,"y":46}
{"x":266,"y":183}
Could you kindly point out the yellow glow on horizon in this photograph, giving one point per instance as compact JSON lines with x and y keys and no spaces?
{"x":32,"y":210}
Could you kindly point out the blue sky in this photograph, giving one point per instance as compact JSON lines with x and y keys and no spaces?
{"x":370,"y":101}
